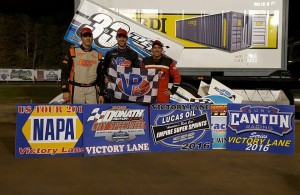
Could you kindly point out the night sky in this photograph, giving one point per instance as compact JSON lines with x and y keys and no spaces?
{"x":64,"y":9}
{"x":37,"y":7}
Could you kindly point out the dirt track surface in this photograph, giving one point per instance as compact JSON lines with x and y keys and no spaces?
{"x":7,"y":113}
{"x":199,"y":172}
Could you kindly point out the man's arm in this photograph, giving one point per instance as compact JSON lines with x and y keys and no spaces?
{"x":176,"y":77}
{"x":135,"y":62}
{"x":100,"y":84}
{"x":142,"y":65}
{"x":102,"y":72}
{"x":65,"y":71}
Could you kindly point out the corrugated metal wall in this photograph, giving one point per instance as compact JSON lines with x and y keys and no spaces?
{"x":231,"y":31}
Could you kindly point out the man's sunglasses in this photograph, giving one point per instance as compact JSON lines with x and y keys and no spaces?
{"x":87,"y":35}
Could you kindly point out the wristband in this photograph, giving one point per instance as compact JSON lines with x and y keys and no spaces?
{"x":174,"y":89}
{"x":64,"y":88}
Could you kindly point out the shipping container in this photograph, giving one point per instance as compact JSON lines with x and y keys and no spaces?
{"x":230,"y":31}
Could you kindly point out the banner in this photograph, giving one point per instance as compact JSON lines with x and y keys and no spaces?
{"x":115,"y":129}
{"x":48,"y":130}
{"x":180,"y":127}
{"x":4,"y":74}
{"x":30,"y":75}
{"x":47,"y":75}
{"x":16,"y":74}
{"x":133,"y":84}
{"x":261,"y":128}
{"x":218,"y":125}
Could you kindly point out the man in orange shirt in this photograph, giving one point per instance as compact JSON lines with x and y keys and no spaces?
{"x":167,"y":68}
{"x":80,"y":75}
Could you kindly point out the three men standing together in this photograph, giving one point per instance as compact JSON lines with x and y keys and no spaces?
{"x":84,"y":73}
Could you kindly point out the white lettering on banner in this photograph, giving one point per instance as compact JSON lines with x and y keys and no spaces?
{"x":104,"y":149}
{"x":198,"y":125}
{"x":217,"y":126}
{"x":177,"y":117}
{"x":172,"y":118}
{"x":137,"y":147}
{"x":117,"y":148}
{"x":111,"y":114}
{"x":271,"y":119}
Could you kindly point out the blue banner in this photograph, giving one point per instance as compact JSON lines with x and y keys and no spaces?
{"x":48,"y":130}
{"x":261,"y":128}
{"x":115,"y":129}
{"x":180,"y":127}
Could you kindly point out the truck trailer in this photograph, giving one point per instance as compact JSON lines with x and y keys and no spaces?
{"x":243,"y":45}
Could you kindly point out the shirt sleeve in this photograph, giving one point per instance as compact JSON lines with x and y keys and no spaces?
{"x":142,"y":64}
{"x":102,"y":72}
{"x":65,"y":71}
{"x":176,"y":77}
{"x":136,"y":62}
{"x":107,"y":59}
{"x":100,"y":75}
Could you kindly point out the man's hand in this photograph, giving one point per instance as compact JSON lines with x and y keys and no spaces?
{"x":66,"y":96}
{"x":100,"y":99}
{"x":106,"y":80}
{"x":168,"y":92}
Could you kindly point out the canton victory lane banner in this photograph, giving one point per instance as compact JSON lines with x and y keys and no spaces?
{"x":105,"y":22}
{"x":261,"y":128}
{"x":133,"y":84}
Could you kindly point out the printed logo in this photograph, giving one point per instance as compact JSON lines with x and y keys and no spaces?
{"x":176,"y":128}
{"x":120,"y":61}
{"x":51,"y":129}
{"x":86,"y":63}
{"x":4,"y":76}
{"x":118,"y":124}
{"x":225,"y":93}
{"x":21,"y":74}
{"x":133,"y":84}
{"x":260,"y":118}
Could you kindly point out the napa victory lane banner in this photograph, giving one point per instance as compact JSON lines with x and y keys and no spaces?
{"x":105,"y":22}
{"x":48,"y":130}
{"x":115,"y":129}
{"x":180,"y":127}
{"x":261,"y":128}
